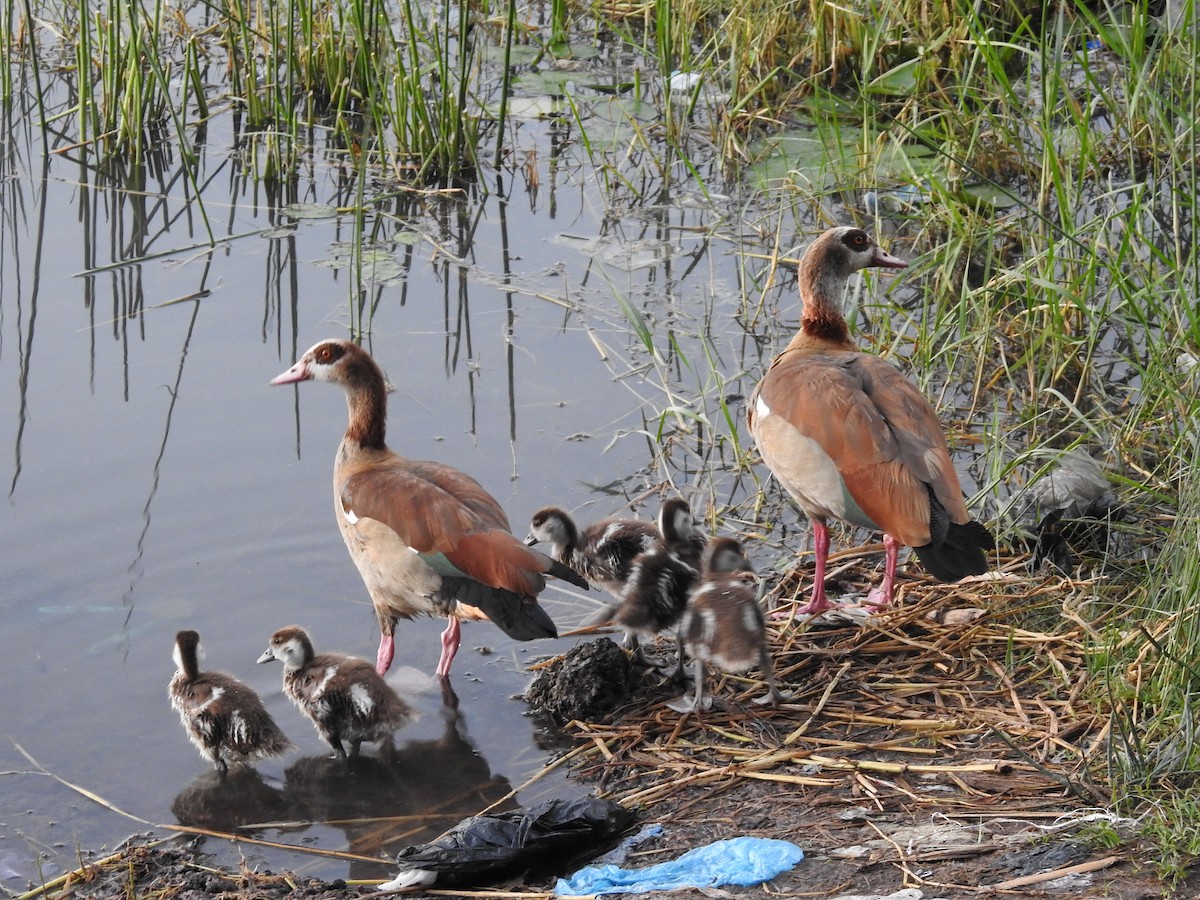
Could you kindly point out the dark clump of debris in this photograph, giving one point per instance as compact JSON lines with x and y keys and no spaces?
{"x":585,"y":684}
{"x":146,"y":868}
{"x":1076,"y":511}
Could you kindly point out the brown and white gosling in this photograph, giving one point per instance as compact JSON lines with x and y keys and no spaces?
{"x":603,"y":552}
{"x":723,"y":624}
{"x":656,"y":592}
{"x":224,"y":718}
{"x":346,"y":699}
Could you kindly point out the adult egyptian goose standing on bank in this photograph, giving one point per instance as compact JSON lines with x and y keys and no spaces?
{"x":851,"y":438}
{"x":224,"y":718}
{"x":426,"y":538}
{"x":343,"y":696}
{"x":603,"y":552}
{"x":723,"y":623}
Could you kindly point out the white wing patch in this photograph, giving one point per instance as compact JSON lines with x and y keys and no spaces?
{"x":212,"y":698}
{"x":239,"y":730}
{"x":324,"y":683}
{"x":934,"y":462}
{"x":360,"y":698}
{"x":761,"y":410}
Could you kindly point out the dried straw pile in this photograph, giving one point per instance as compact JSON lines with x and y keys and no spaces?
{"x":970,"y":697}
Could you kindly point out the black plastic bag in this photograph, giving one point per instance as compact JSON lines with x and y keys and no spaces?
{"x":547,"y":838}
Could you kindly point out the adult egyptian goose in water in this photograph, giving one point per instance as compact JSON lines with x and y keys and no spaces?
{"x":851,"y":438}
{"x":224,"y":718}
{"x":656,"y":591}
{"x":603,"y":552}
{"x":426,"y":538}
{"x":343,"y":696}
{"x":723,"y":624}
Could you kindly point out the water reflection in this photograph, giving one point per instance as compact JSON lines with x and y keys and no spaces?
{"x":408,"y":793}
{"x":231,"y":802}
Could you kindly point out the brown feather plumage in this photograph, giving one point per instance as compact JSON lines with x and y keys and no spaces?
{"x":426,"y":538}
{"x":849,"y":437}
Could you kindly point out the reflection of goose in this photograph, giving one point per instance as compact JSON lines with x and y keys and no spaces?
{"x":345,"y":698}
{"x":226,"y":804}
{"x":404,"y":797}
{"x":426,"y":538}
{"x":851,"y":438}
{"x":223,"y":717}
{"x":603,"y":552}
{"x":723,"y":624}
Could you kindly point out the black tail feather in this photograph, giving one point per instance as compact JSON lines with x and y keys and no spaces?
{"x":566,"y":573}
{"x":961,"y":552}
{"x":521,"y":618}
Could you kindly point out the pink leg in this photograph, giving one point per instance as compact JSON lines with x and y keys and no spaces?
{"x":383,"y":658}
{"x":882,"y":595}
{"x":818,"y":603}
{"x":451,"y":638}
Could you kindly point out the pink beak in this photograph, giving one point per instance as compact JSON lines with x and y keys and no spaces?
{"x":298,"y":372}
{"x":885,"y":259}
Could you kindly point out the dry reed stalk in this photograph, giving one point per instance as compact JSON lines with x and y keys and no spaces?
{"x":989,"y":707}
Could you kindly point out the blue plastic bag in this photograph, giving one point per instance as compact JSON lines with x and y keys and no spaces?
{"x":741,"y":861}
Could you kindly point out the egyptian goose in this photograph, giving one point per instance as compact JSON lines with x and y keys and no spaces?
{"x":224,"y":718}
{"x":427,"y":538}
{"x":723,"y":623}
{"x":656,"y":592}
{"x":603,"y":552}
{"x":850,"y":438}
{"x":346,"y":699}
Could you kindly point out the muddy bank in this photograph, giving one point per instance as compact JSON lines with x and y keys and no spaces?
{"x":946,"y":747}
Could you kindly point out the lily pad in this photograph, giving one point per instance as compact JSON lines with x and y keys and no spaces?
{"x":377,"y":264}
{"x":545,"y":81}
{"x":808,"y":150}
{"x":901,"y":80}
{"x":519,"y":54}
{"x":542,"y":106}
{"x":310,"y":211}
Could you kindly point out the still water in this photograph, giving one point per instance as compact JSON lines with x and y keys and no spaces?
{"x":154,"y":480}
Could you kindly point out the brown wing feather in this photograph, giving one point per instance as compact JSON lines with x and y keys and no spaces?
{"x":430,"y":510}
{"x":878,"y":429}
{"x":469,"y":492}
{"x":436,"y":509}
{"x":920,"y":439}
{"x":498,"y":559}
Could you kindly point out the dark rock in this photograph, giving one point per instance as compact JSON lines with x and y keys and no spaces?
{"x":586,"y":684}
